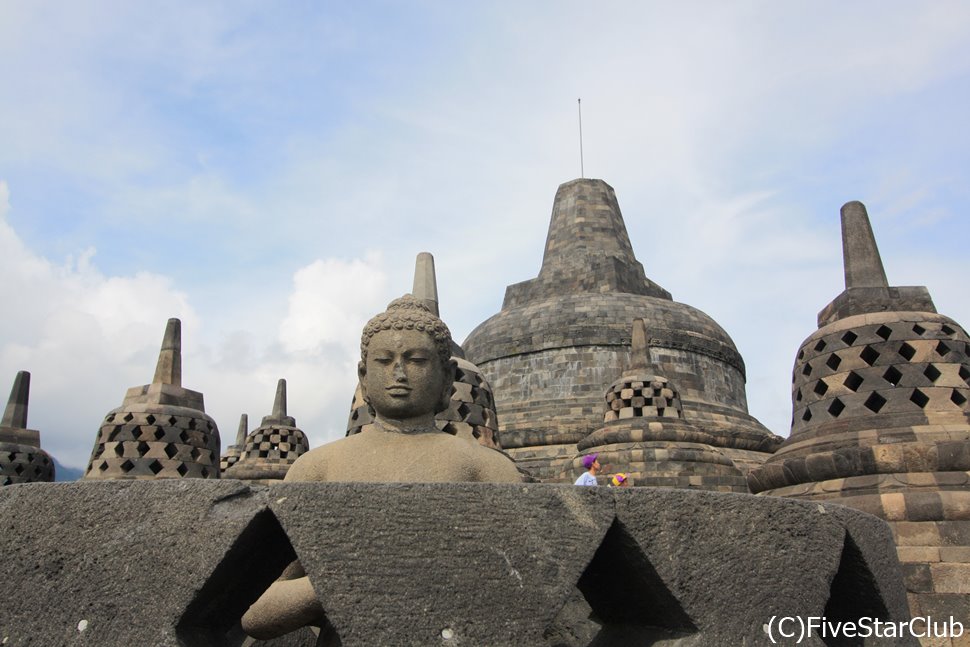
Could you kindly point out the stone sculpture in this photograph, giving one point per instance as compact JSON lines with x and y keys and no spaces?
{"x":406,"y":375}
{"x":161,"y":429}
{"x":21,"y":458}
{"x":234,"y":451}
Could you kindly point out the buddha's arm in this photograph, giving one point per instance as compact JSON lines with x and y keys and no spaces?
{"x":287,"y":605}
{"x":498,"y":468}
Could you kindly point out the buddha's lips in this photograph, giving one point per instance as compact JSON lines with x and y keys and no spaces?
{"x":398,"y":390}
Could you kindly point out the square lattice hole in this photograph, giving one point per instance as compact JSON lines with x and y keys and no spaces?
{"x":853,"y":381}
{"x":958,"y":398}
{"x":942,"y":349}
{"x":869,"y":355}
{"x":892,"y":375}
{"x":849,"y":338}
{"x":919,"y":398}
{"x":807,"y":415}
{"x":885,"y":332}
{"x":833,"y":361}
{"x":875,"y":402}
{"x":836,"y":408}
{"x":918,"y":329}
{"x":807,"y":370}
{"x":965,"y":374}
{"x":820,"y":346}
{"x":932,"y":373}
{"x":821,"y":387}
{"x":907,"y":351}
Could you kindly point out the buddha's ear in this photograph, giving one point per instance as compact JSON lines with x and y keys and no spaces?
{"x":451,"y":370}
{"x":361,"y":374}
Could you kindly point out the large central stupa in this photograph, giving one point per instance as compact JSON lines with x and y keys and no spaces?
{"x":563,"y":337}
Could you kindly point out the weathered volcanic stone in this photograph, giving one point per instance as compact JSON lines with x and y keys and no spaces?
{"x":234,"y":451}
{"x":563,"y":337}
{"x":272,"y":448}
{"x":21,"y":458}
{"x":177,"y":562}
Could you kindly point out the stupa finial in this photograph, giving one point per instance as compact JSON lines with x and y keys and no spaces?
{"x":169,"y":367}
{"x":243,"y":430}
{"x":425,"y":284}
{"x":863,"y":265}
{"x":15,"y":415}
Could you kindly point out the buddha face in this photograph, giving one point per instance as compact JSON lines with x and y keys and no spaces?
{"x":404,"y":376}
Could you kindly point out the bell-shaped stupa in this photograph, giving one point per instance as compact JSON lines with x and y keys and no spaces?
{"x":234,"y":451}
{"x":880,"y":421}
{"x":271,"y":448}
{"x":562,"y":337}
{"x":21,"y":458}
{"x":161,"y":429}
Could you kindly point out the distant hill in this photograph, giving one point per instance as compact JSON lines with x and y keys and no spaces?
{"x":64,"y":473}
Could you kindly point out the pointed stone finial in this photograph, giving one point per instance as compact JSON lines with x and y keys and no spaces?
{"x":863,"y":265}
{"x":169,"y":367}
{"x":639,"y":350}
{"x":279,"y":404}
{"x":15,"y":415}
{"x":243,"y":430}
{"x":425,"y":284}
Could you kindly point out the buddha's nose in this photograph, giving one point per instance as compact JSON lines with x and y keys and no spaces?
{"x":399,"y":374}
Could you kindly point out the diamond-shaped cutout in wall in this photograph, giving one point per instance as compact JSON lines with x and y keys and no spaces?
{"x":918,"y":329}
{"x":853,"y":381}
{"x":942,"y":349}
{"x":919,"y":398}
{"x":807,"y":415}
{"x":801,"y":354}
{"x":907,"y":351}
{"x":869,"y":355}
{"x":964,"y":374}
{"x":627,"y":596}
{"x":820,"y":346}
{"x":885,"y":332}
{"x":892,"y":375}
{"x":836,"y":408}
{"x":849,"y":338}
{"x":807,"y":370}
{"x":798,"y":395}
{"x":946,"y":330}
{"x":875,"y":402}
{"x":932,"y":373}
{"x":853,"y":593}
{"x":958,"y":398}
{"x":821,"y":387}
{"x":155,"y":467}
{"x":833,"y":361}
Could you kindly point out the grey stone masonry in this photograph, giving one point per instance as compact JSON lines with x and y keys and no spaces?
{"x":21,"y":458}
{"x":271,"y":448}
{"x":177,"y":563}
{"x":881,"y":422}
{"x":234,"y":451}
{"x":562,"y":338}
{"x":161,"y":429}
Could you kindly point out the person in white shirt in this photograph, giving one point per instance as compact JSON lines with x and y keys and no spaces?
{"x":592,"y":469}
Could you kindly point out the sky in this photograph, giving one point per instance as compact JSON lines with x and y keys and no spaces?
{"x":267,"y":172}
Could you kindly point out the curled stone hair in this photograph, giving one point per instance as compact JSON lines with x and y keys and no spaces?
{"x":408,"y":313}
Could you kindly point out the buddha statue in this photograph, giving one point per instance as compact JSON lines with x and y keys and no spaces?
{"x":406,"y":375}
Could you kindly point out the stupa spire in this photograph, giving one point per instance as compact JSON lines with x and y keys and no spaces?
{"x":639,"y":349}
{"x":243,"y":430}
{"x":15,"y":415}
{"x":425,"y":284}
{"x":169,"y":367}
{"x":863,"y":265}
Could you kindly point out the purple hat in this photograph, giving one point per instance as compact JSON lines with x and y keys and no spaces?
{"x":589,"y":459}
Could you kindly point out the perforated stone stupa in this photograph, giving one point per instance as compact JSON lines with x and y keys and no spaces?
{"x":563,"y":337}
{"x":272,"y":447}
{"x":471,"y":413}
{"x":161,"y":429}
{"x":880,"y":422}
{"x":646,"y":436}
{"x":21,"y":458}
{"x":234,"y":451}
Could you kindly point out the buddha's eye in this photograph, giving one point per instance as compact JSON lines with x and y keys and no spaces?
{"x":383,"y":360}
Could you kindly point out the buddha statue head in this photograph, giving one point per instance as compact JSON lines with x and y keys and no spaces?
{"x":406,"y":371}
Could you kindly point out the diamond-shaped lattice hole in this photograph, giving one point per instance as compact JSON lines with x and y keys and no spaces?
{"x":801,"y":354}
{"x":184,"y":436}
{"x":159,"y":433}
{"x":821,"y":387}
{"x":875,"y":402}
{"x":884,"y":332}
{"x":836,"y":408}
{"x":892,"y":375}
{"x":919,"y":398}
{"x":932,"y":373}
{"x":155,"y":467}
{"x":205,"y":472}
{"x":965,"y":374}
{"x":127,"y":466}
{"x":807,"y":415}
{"x":171,"y":451}
{"x":182,"y":469}
{"x":798,"y":395}
{"x":947,"y":330}
{"x":807,"y":370}
{"x":942,"y":349}
{"x":849,"y":338}
{"x":143,"y":448}
{"x":907,"y":351}
{"x":820,"y":346}
{"x":958,"y":398}
{"x":192,"y":422}
{"x":150,"y":419}
{"x":119,"y":449}
{"x":869,"y":355}
{"x":918,"y":329}
{"x":103,"y":466}
{"x":833,"y":361}
{"x":128,"y":417}
{"x":853,"y":381}
{"x":19,"y":469}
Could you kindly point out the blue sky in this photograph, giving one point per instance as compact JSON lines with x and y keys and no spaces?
{"x":268,"y":172}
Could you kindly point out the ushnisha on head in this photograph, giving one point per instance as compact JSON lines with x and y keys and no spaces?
{"x":406,"y":370}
